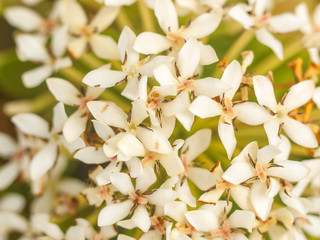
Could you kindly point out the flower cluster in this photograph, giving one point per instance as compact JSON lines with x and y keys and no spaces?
{"x":144,"y":115}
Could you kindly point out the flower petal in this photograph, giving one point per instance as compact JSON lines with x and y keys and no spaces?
{"x":267,"y":153}
{"x":227,"y":137}
{"x":266,"y":38}
{"x":104,"y":47}
{"x":122,"y":182}
{"x":151,"y":43}
{"x":103,"y":130}
{"x":103,"y":178}
{"x":251,"y":113}
{"x":162,"y":196}
{"x":202,"y":220}
{"x":36,"y":76}
{"x":188,"y":58}
{"x":201,"y":177}
{"x":13,"y":221}
{"x":128,"y":56}
{"x":31,"y":124}
{"x":108,"y":113}
{"x":264,"y":92}
{"x":103,"y":78}
{"x":164,"y":76}
{"x":299,"y":94}
{"x":210,"y":87}
{"x":200,"y":28}
{"x":130,"y":146}
{"x":232,"y":76}
{"x":176,"y":210}
{"x":64,"y":91}
{"x":146,"y":179}
{"x":8,"y":145}
{"x":75,"y":233}
{"x":8,"y":173}
{"x":114,"y":213}
{"x":240,"y":15}
{"x":141,"y":218}
{"x":43,"y":161}
{"x":91,"y":155}
{"x":242,"y":219}
{"x":135,"y":167}
{"x":75,"y":125}
{"x":76,"y":46}
{"x":205,"y":107}
{"x":104,"y":18}
{"x":153,"y":140}
{"x":299,"y":133}
{"x":292,"y":171}
{"x":239,"y":172}
{"x":284,"y":23}
{"x":261,"y":202}
{"x":166,"y":14}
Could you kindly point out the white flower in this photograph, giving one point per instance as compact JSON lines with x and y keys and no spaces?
{"x":31,"y":48}
{"x":205,"y":107}
{"x":255,"y":16}
{"x":84,"y":34}
{"x":153,"y":43}
{"x":298,"y":95}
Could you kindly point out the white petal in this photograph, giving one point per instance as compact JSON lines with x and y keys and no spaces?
{"x":41,"y":223}
{"x":284,"y":23}
{"x":62,"y":63}
{"x":131,"y":91}
{"x":251,"y":148}
{"x":36,"y":76}
{"x":176,"y":210}
{"x":312,"y":227}
{"x":78,"y":17}
{"x":8,"y":145}
{"x":59,"y":117}
{"x":12,"y":221}
{"x":241,"y":16}
{"x":129,"y":145}
{"x":196,"y":144}
{"x":103,"y":78}
{"x":202,"y":220}
{"x":299,"y":94}
{"x":251,"y":113}
{"x":122,"y":182}
{"x":227,"y":137}
{"x":177,"y":105}
{"x":188,"y":58}
{"x":210,"y":87}
{"x":266,"y":38}
{"x":59,"y":41}
{"x":147,"y":68}
{"x":113,"y":213}
{"x":12,"y":202}
{"x":91,"y":155}
{"x":75,"y":125}
{"x":119,"y":2}
{"x":124,"y":237}
{"x":242,"y":219}
{"x":141,"y":218}
{"x":139,"y":112}
{"x":232,"y":76}
{"x":151,"y":43}
{"x":260,"y":201}
{"x":43,"y":161}
{"x":162,"y":196}
{"x":205,"y":107}
{"x":239,"y":172}
{"x":316,"y":97}
{"x":31,"y":124}
{"x":144,"y":181}
{"x":285,"y":148}
{"x":291,"y":170}
{"x":32,"y":47}
{"x":267,"y":153}
{"x":104,"y":18}
{"x":23,"y":18}
{"x":186,"y":119}
{"x":164,"y":76}
{"x":76,"y":47}
{"x":125,"y":47}
{"x":172,"y":164}
{"x":151,"y":234}
{"x":75,"y":233}
{"x":153,"y":140}
{"x":207,"y":54}
{"x":293,"y":202}
{"x":299,"y":133}
{"x":200,"y":28}
{"x":241,"y":195}
{"x":103,"y":178}
{"x":8,"y":173}
{"x":73,"y":146}
{"x":211,"y":197}
{"x":135,"y":167}
{"x":104,"y":47}
{"x":108,"y":113}
{"x":264,"y":92}
{"x":103,"y":130}
{"x":201,"y":177}
{"x":167,"y":16}
{"x":185,"y":194}
{"x":64,"y":91}
{"x":272,"y":128}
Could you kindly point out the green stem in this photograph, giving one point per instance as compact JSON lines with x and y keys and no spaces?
{"x":73,"y":75}
{"x":91,"y":61}
{"x":239,"y":45}
{"x":272,"y":62}
{"x":123,"y":20}
{"x":146,"y":17}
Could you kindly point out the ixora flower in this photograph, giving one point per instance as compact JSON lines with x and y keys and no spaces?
{"x":199,"y":6}
{"x":254,"y":164}
{"x":248,"y":112}
{"x":31,"y":48}
{"x":298,"y":95}
{"x":213,"y":222}
{"x":310,"y":29}
{"x":153,"y":43}
{"x":83,"y":34}
{"x":255,"y":16}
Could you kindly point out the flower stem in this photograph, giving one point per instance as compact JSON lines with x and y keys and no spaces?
{"x":146,"y":17}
